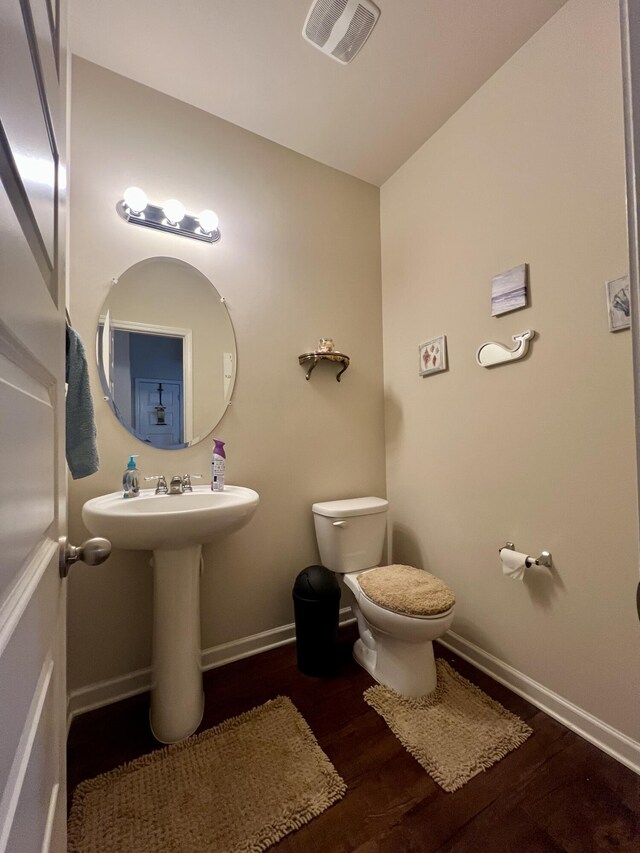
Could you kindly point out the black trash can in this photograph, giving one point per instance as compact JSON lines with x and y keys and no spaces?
{"x":316,"y":603}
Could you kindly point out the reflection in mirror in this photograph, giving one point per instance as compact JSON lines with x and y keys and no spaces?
{"x":166,"y":353}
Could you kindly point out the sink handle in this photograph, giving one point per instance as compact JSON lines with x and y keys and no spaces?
{"x":186,"y":481}
{"x":161,"y":487}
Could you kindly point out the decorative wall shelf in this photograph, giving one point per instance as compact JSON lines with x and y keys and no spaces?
{"x":312,"y":358}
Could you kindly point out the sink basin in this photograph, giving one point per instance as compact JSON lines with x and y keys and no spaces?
{"x":174,"y":527}
{"x":151,"y":521}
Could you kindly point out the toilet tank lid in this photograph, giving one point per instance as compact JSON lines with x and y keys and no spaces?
{"x":350,"y":507}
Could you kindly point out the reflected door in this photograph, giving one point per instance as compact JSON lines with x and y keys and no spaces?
{"x":158,"y":407}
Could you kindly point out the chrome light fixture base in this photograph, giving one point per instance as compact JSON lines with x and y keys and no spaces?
{"x":154,"y":217}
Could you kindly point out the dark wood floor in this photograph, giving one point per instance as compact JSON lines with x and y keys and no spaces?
{"x":555,"y":793}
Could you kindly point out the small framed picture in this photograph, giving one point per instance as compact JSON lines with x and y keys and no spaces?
{"x":618,"y":303}
{"x":509,"y":290}
{"x":433,"y":356}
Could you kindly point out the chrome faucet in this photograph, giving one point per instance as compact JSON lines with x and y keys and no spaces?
{"x":180,"y":483}
{"x":176,"y":487}
{"x":161,"y":485}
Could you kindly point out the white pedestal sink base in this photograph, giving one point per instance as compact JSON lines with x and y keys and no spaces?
{"x":177,"y":700}
{"x":159,"y":523}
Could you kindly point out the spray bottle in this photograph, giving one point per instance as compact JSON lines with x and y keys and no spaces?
{"x":217,"y":466}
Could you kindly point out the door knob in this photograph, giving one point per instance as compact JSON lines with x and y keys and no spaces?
{"x":92,"y":552}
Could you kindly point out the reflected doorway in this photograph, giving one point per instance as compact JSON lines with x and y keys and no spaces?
{"x":149,"y":376}
{"x":150,"y":395}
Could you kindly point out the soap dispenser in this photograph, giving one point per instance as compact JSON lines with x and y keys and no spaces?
{"x":131,"y":479}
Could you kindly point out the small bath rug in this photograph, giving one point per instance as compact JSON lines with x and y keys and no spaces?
{"x":455,"y":732}
{"x":240,"y":786}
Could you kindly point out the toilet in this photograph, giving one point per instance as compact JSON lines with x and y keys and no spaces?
{"x":400,"y":610}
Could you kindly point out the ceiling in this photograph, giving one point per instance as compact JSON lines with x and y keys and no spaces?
{"x":246,"y":61}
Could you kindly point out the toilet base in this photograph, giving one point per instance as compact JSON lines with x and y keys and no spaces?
{"x":407,"y":668}
{"x":365,"y":657}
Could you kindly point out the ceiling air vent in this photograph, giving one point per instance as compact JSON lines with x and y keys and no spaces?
{"x":339,"y":28}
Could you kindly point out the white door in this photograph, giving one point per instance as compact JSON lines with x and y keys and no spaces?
{"x":32,"y":472}
{"x":630,"y":35}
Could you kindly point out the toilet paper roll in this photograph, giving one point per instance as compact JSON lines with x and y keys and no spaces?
{"x":513,"y":563}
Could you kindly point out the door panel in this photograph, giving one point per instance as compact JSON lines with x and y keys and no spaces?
{"x":147,"y":398}
{"x":25,"y":650}
{"x":28,"y":416}
{"x":45,"y":45}
{"x":25,"y":307}
{"x":36,"y":769}
{"x":26,"y":125}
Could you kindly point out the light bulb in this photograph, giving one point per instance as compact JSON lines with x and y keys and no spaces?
{"x":173,"y":210}
{"x":135,"y":199}
{"x":208,"y":220}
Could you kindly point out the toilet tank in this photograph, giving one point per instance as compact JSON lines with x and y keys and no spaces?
{"x":350,"y":533}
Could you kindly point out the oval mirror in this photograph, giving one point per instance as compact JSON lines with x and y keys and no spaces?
{"x":166,"y":353}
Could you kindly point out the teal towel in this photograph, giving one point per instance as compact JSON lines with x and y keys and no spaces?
{"x":81,"y":444}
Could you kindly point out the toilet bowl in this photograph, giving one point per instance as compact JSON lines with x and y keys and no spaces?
{"x":397,"y":648}
{"x":400,"y":611}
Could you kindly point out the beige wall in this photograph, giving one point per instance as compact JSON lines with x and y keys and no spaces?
{"x":531,"y":169}
{"x":299,"y":259}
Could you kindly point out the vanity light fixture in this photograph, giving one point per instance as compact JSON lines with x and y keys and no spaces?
{"x":171,"y":216}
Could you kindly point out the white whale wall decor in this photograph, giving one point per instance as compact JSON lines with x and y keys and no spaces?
{"x":492,"y":353}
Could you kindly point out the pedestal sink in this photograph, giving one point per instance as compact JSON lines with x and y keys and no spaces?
{"x":174,"y":527}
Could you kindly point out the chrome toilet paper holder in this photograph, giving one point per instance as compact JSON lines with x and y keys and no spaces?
{"x":543,"y":560}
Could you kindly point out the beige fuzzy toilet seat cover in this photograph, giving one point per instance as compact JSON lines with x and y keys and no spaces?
{"x":405,"y":589}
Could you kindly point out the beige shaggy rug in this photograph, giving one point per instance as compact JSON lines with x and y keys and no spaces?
{"x":240,"y":786}
{"x":455,"y":732}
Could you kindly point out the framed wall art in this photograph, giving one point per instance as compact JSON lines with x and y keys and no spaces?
{"x":618,"y":303}
{"x":433,"y":356}
{"x":509,"y":290}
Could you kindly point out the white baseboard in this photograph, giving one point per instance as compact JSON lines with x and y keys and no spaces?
{"x":605,"y":737}
{"x":122,"y":687}
{"x":105,"y":692}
